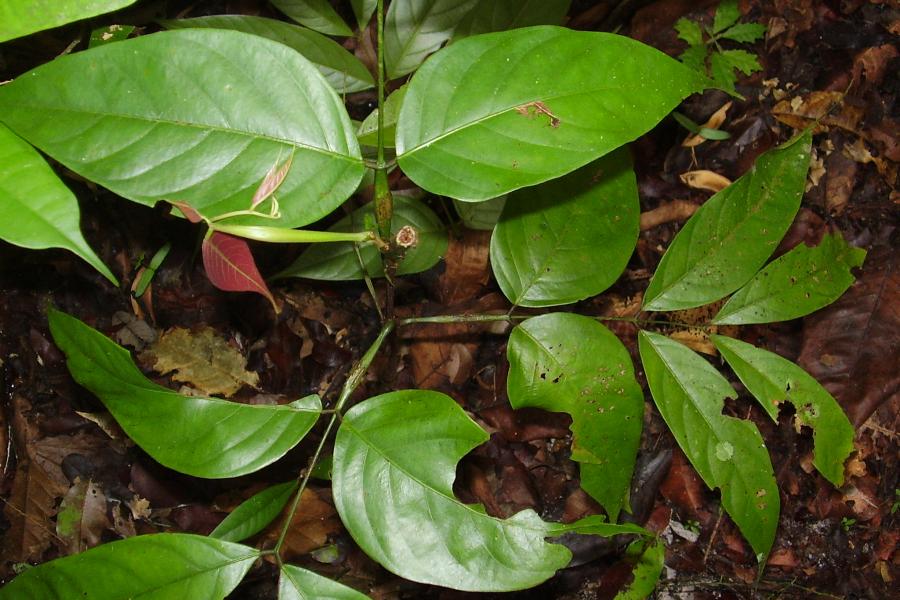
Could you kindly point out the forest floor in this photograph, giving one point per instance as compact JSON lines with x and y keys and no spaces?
{"x":833,"y":60}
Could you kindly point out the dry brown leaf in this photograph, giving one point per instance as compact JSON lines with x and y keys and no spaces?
{"x":705,"y":180}
{"x":466,"y":268}
{"x":82,"y":519}
{"x":713,"y":122}
{"x":313,"y":523}
{"x":839,"y":182}
{"x":201,"y":359}
{"x":827,"y":109}
{"x":673,"y":211}
{"x":30,"y":510}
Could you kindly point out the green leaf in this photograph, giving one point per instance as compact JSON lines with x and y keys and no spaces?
{"x":695,"y":58}
{"x":368,"y":129}
{"x":204,"y":437}
{"x":743,"y":61}
{"x":109,"y":34}
{"x":744,"y":32}
{"x":773,"y":380}
{"x":181,"y":115}
{"x":689,"y":31}
{"x":24,"y":17}
{"x":713,"y":134}
{"x":149,"y":567}
{"x":300,"y":584}
{"x":362,"y":10}
{"x":794,"y":285}
{"x":413,"y":29}
{"x":255,"y":513}
{"x":730,"y":237}
{"x":501,"y":111}
{"x":648,"y":560}
{"x":339,"y":262}
{"x":686,"y":122}
{"x":394,"y":463}
{"x":480,"y":215}
{"x":36,"y":209}
{"x":315,"y":14}
{"x":343,"y":71}
{"x":728,"y":453}
{"x":569,"y":238}
{"x":727,"y":14}
{"x":563,"y":362}
{"x":500,"y":15}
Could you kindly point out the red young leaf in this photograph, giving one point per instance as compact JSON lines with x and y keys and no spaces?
{"x":271,"y":182}
{"x":230,"y":266}
{"x":190,"y":213}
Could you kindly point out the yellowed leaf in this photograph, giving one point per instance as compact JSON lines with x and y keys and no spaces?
{"x":202,"y":359}
{"x":705,"y":180}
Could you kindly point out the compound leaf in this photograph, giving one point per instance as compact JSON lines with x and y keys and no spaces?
{"x":727,"y":13}
{"x":394,"y":463}
{"x":730,"y":237}
{"x":149,"y":567}
{"x":569,"y":238}
{"x":24,"y":17}
{"x":773,"y":380}
{"x":545,"y":100}
{"x":204,"y":437}
{"x":744,"y":32}
{"x":728,"y":453}
{"x":568,"y":363}
{"x":689,"y":31}
{"x":254,"y":513}
{"x":500,"y":15}
{"x":300,"y":584}
{"x":794,"y":285}
{"x":37,"y":210}
{"x":196,"y":115}
{"x":315,"y":14}
{"x":340,"y":68}
{"x":413,"y":29}
{"x":339,"y":262}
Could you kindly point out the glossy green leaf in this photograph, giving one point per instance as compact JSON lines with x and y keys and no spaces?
{"x":315,"y":14}
{"x":300,"y":584}
{"x":368,"y":129}
{"x":730,"y":237}
{"x":728,"y":453}
{"x":110,"y":34}
{"x":413,"y":29}
{"x":648,"y":565}
{"x":499,"y":15}
{"x":362,"y":10}
{"x":340,"y":68}
{"x":254,"y":513}
{"x":339,"y":262}
{"x":569,"y":238}
{"x":480,"y":215}
{"x":24,"y":17}
{"x":204,"y":437}
{"x":37,"y":210}
{"x":394,"y":464}
{"x":773,"y":380}
{"x":563,"y":362}
{"x":501,"y":111}
{"x":794,"y":285}
{"x":149,"y":567}
{"x":198,"y":116}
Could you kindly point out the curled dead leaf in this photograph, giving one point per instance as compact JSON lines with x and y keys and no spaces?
{"x":824,"y":109}
{"x":713,"y":122}
{"x":705,"y":180}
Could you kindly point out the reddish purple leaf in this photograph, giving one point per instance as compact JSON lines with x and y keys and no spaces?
{"x":230,"y":266}
{"x":190,"y":213}
{"x":271,"y":182}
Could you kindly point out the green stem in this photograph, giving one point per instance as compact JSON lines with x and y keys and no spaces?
{"x":291,"y":236}
{"x":384,"y":202}
{"x":510,"y":317}
{"x":353,"y":380}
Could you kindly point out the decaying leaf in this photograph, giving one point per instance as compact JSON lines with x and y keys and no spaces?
{"x":851,"y":346}
{"x":313,"y":523}
{"x":825,"y":109}
{"x":30,"y":510}
{"x":82,"y":518}
{"x":705,"y":180}
{"x":202,"y":359}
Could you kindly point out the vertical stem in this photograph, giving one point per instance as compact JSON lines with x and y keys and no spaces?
{"x":384,"y":202}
